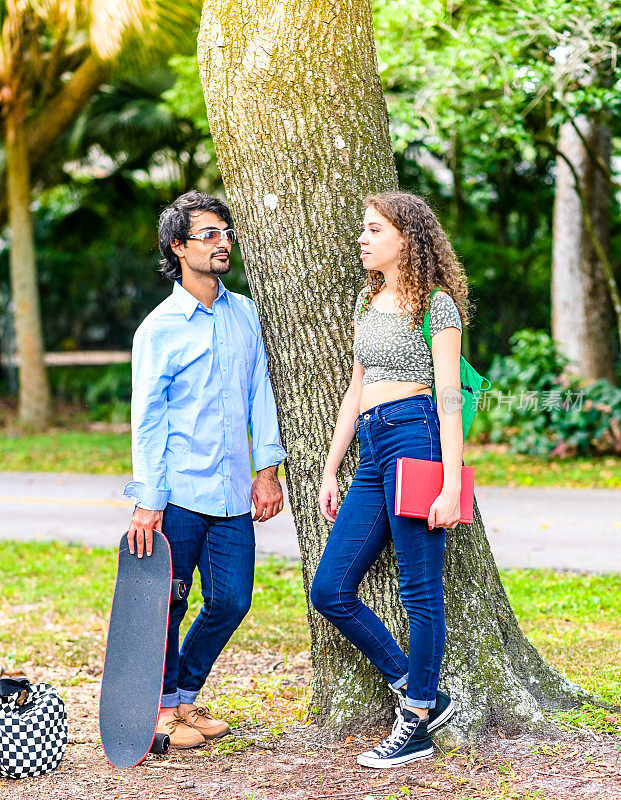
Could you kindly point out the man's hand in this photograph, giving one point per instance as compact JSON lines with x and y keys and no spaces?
{"x":266,"y":494}
{"x":141,"y":527}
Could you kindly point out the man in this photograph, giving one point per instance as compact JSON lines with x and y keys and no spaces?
{"x":199,"y":377}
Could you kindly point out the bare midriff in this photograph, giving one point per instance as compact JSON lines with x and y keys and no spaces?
{"x":378,"y":392}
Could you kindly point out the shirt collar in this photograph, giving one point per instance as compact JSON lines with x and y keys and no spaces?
{"x":188,"y":303}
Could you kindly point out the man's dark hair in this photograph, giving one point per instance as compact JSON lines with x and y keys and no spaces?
{"x":176,"y":220}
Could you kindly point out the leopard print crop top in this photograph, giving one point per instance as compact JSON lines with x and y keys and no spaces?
{"x":390,"y":350}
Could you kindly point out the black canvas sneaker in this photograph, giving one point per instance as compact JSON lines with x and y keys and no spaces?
{"x":441,"y":713}
{"x":408,"y":741}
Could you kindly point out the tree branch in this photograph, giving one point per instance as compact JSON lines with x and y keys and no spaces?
{"x":61,"y":110}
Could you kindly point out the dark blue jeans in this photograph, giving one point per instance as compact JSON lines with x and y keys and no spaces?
{"x":364,"y":523}
{"x":223,"y":550}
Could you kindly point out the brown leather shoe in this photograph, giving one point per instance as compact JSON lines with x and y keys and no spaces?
{"x":182,"y":735}
{"x":202,"y":721}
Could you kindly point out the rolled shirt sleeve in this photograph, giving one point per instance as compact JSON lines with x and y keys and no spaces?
{"x":151,"y":376}
{"x":266,"y":447}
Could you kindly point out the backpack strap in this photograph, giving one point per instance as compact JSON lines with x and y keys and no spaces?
{"x":426,"y":319}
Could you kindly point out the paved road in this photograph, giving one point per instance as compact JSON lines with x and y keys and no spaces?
{"x":577,"y":529}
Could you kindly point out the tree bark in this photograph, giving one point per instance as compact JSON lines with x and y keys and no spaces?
{"x":34,"y":395}
{"x":583,"y":321}
{"x":301,"y":131}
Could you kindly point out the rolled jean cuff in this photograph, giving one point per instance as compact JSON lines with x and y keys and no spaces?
{"x":188,"y":697}
{"x":399,"y":683}
{"x":170,"y":700}
{"x":420,"y":703}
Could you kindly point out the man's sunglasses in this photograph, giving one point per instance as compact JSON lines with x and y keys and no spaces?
{"x":215,"y":234}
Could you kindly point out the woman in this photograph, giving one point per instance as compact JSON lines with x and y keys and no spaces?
{"x":389,"y":404}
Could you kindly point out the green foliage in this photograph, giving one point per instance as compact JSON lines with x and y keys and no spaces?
{"x":109,"y":398}
{"x":476,"y":92}
{"x":91,"y":384}
{"x":475,"y":111}
{"x":186,"y":95}
{"x":103,"y":392}
{"x":99,"y":197}
{"x":542,"y":410}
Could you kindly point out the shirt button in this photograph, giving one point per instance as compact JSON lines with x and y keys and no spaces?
{"x":367,"y":416}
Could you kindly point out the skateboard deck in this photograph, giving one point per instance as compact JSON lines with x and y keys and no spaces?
{"x":131,"y":686}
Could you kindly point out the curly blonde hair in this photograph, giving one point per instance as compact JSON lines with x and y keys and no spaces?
{"x":427,"y":259}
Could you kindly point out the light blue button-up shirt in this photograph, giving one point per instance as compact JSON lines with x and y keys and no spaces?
{"x":199,"y":378}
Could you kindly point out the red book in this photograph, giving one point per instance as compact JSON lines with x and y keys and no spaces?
{"x":419,"y":482}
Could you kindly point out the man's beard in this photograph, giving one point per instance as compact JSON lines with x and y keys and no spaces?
{"x":219,"y":266}
{"x":214,"y":266}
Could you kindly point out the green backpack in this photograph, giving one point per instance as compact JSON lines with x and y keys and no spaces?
{"x":471,"y":381}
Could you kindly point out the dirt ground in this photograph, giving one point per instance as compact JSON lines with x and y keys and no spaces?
{"x":295,"y":766}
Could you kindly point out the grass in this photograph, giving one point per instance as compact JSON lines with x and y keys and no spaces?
{"x":67,"y":451}
{"x":61,"y":593}
{"x":573,"y":620}
{"x":98,"y":451}
{"x":494,"y":465}
{"x":55,"y":601}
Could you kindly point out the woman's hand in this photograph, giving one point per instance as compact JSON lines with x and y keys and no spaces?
{"x":445,"y":511}
{"x":328,"y":496}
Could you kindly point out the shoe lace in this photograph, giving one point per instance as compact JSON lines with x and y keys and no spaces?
{"x":200,"y":712}
{"x":174,"y":723}
{"x":400,"y":732}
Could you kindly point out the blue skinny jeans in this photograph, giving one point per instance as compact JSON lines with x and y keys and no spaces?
{"x":223,"y":550}
{"x":364,"y":523}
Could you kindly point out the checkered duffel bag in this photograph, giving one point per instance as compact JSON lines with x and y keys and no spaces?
{"x":33,"y":728}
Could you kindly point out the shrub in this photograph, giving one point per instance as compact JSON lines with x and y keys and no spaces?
{"x":105,"y":392}
{"x":539,"y":408}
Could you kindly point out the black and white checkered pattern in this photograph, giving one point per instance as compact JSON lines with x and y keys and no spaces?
{"x":33,"y":736}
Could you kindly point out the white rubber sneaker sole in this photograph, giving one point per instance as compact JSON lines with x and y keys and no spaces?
{"x":371,"y":760}
{"x":444,"y":717}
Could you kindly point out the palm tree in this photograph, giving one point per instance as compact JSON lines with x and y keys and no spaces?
{"x":54,"y":56}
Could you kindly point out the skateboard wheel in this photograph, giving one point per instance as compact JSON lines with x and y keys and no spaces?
{"x":178,"y":591}
{"x":161,"y":743}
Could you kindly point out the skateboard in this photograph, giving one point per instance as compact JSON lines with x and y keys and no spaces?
{"x":133,"y":674}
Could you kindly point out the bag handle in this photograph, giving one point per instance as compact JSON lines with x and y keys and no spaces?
{"x":19,"y":686}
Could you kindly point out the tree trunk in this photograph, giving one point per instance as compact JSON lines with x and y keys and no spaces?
{"x":301,"y":132}
{"x":34,"y":396}
{"x":582,"y":312}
